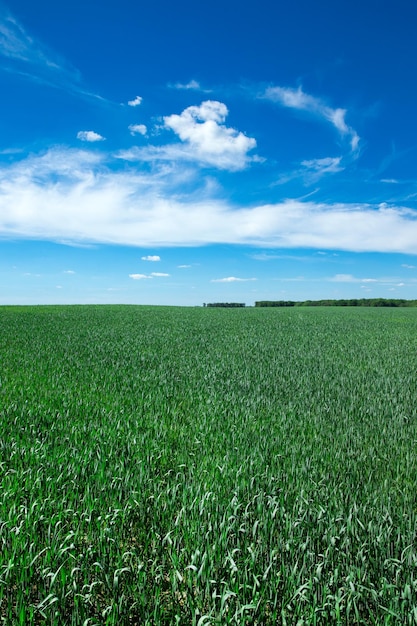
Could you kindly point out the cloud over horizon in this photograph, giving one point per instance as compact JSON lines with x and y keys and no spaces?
{"x":69,"y":195}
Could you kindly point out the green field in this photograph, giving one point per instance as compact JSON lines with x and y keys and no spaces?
{"x":208,"y":466}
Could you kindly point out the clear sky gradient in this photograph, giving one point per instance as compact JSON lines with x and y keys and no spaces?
{"x":164,"y":152}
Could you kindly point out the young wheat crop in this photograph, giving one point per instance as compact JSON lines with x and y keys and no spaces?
{"x":165,"y":466}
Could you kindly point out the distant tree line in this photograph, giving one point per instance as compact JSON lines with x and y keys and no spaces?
{"x":228,"y":305}
{"x":377,"y":302}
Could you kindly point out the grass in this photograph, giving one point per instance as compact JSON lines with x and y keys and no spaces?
{"x":208,"y":466}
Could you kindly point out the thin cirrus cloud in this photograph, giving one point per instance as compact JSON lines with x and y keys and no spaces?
{"x":139,"y":276}
{"x":153,"y":258}
{"x":147,"y":276}
{"x":232,"y":279}
{"x":73,"y":196}
{"x":31,"y":59}
{"x":319,"y":167}
{"x":348,"y":278}
{"x":312,"y":170}
{"x":191,"y":85}
{"x":298,"y":99}
{"x":90,"y":136}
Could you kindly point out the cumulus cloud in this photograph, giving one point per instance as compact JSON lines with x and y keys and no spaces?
{"x":138,"y":129}
{"x":298,"y":99}
{"x":207,"y":139}
{"x":74,"y":196}
{"x":89,"y":135}
{"x":159,"y":274}
{"x":151,"y":257}
{"x":135,"y":102}
{"x":231,"y":279}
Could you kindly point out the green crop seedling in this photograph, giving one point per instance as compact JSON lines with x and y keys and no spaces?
{"x":199,"y":466}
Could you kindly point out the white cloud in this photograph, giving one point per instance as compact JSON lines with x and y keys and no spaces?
{"x":192,"y":84}
{"x":135,"y":102}
{"x":263,"y":256}
{"x":319,"y":167}
{"x":231,"y":279}
{"x":151,"y":257}
{"x":298,"y":99}
{"x":89,"y":135}
{"x":138,"y":129}
{"x":31,"y":59}
{"x":348,"y":278}
{"x":147,"y":276}
{"x":312,"y":170}
{"x":69,"y":272}
{"x":208,"y":140}
{"x":73,"y":196}
{"x":138,"y":276}
{"x":183,"y":266}
{"x":15,"y":43}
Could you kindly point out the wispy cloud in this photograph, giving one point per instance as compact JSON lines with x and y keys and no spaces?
{"x":139,"y":276}
{"x":74,"y":196}
{"x":348,"y":278}
{"x":319,"y":167}
{"x":192,"y":84}
{"x":148,"y":276}
{"x":153,"y":258}
{"x":15,"y":43}
{"x":31,"y":59}
{"x":89,"y":135}
{"x":264,"y":256}
{"x":311,"y":171}
{"x":298,"y":99}
{"x":231,"y":279}
{"x":135,"y":102}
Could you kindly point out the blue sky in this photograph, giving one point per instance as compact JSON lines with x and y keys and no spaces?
{"x":179,"y":153}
